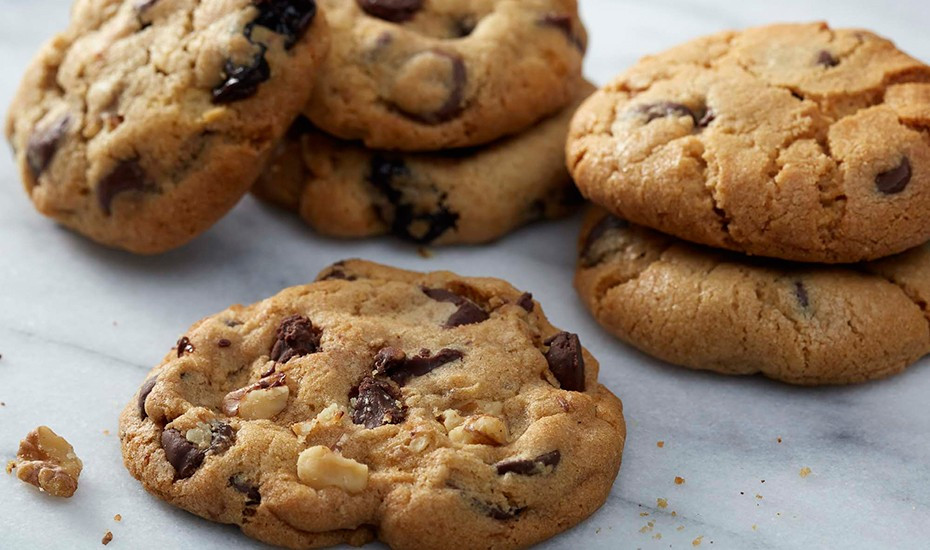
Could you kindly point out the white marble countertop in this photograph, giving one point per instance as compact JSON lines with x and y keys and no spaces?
{"x":80,"y":326}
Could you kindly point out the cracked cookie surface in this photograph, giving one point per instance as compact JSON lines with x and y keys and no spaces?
{"x":145,"y":121}
{"x":717,"y":310}
{"x":379,"y":403}
{"x":418,"y":76}
{"x":450,"y":197}
{"x":790,"y":141}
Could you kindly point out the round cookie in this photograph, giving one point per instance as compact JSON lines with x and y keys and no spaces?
{"x":717,"y":310}
{"x":415,"y":408}
{"x":790,"y":141}
{"x":421,"y":76}
{"x":146,"y":121}
{"x":464,"y":196}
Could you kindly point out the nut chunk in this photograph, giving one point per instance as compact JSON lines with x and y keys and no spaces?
{"x":47,"y":461}
{"x":319,"y":467}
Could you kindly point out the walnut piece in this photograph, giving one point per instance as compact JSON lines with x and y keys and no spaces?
{"x":320,"y":467}
{"x":262,"y":400}
{"x":47,"y":461}
{"x":481,"y":429}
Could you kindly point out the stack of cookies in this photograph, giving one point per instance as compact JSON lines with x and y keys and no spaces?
{"x":788,"y":171}
{"x":147,"y":120}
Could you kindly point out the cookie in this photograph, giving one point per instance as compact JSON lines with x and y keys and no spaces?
{"x":797,"y":142}
{"x":711,"y":309}
{"x":415,"y":408}
{"x":462,"y":196}
{"x":146,"y":121}
{"x":417,"y":76}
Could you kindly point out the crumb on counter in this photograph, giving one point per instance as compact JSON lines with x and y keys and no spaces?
{"x":679,"y":480}
{"x":660,"y":444}
{"x":697,"y":541}
{"x":661,"y":503}
{"x":118,"y":517}
{"x":805,"y":471}
{"x":10,"y":466}
{"x":107,"y":537}
{"x":47,"y":461}
{"x":424,"y":252}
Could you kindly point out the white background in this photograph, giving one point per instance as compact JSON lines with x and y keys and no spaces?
{"x":80,"y":326}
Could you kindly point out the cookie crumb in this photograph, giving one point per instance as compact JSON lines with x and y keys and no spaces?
{"x":643,"y":514}
{"x":107,"y":537}
{"x":697,"y":541}
{"x":805,"y":471}
{"x":424,"y":252}
{"x":674,"y":514}
{"x":10,"y":466}
{"x":758,"y":496}
{"x":657,"y":536}
{"x":660,"y":444}
{"x":754,"y":527}
{"x":117,"y":517}
{"x":661,"y":503}
{"x":679,"y":480}
{"x":680,"y":528}
{"x":2,"y":404}
{"x":779,"y":440}
{"x":106,"y":432}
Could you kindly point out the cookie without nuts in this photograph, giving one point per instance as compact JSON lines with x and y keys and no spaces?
{"x":799,"y":142}
{"x":389,"y":419}
{"x":721,"y":311}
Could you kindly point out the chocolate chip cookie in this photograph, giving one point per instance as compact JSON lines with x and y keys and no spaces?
{"x":475,"y":195}
{"x":145,"y":121}
{"x":716,"y":310}
{"x":798,"y":142}
{"x":378,"y":403}
{"x":414,"y":75}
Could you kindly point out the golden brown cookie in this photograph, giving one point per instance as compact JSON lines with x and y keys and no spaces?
{"x":790,"y":141}
{"x":145,"y":121}
{"x":721,"y":311}
{"x":415,"y":408}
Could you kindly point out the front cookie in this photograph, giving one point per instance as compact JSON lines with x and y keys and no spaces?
{"x":146,"y":121}
{"x":415,"y":408}
{"x":452,"y":197}
{"x":791,"y":141}
{"x":421,"y":76}
{"x":720,"y":311}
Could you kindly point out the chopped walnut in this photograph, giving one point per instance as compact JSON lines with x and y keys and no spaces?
{"x":320,"y":467}
{"x":48,"y":462}
{"x":480,"y":430}
{"x":262,"y":400}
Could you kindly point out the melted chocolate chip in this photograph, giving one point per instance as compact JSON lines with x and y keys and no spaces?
{"x":526,"y":302}
{"x":144,"y":392}
{"x":296,"y":337}
{"x":499,"y":513}
{"x":184,"y":346}
{"x":800,"y":292}
{"x":456,"y":87}
{"x":183,"y":455}
{"x":388,"y":359}
{"x":242,"y":82}
{"x":127,"y":176}
{"x":420,"y":364}
{"x":826,"y":59}
{"x":378,"y":403}
{"x":706,"y":118}
{"x":224,"y":437}
{"x":529,"y":467}
{"x":564,"y":22}
{"x":663,"y":109}
{"x":395,"y":11}
{"x":408,"y":220}
{"x":223,"y":343}
{"x":895,"y":180}
{"x":468,"y":312}
{"x":43,"y":144}
{"x":608,"y":223}
{"x":566,"y":360}
{"x":289,"y":18}
{"x":252,"y":495}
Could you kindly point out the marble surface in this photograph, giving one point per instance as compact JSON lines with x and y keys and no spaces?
{"x":80,"y":325}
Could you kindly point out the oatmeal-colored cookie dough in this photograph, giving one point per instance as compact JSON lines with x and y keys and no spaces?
{"x":378,"y":403}
{"x":799,"y":142}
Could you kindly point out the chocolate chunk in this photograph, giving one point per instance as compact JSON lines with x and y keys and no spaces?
{"x":826,"y":59}
{"x":242,"y":82}
{"x":706,"y":118}
{"x":564,"y":22}
{"x":530,"y":467}
{"x":253,"y":497}
{"x":409,"y":219}
{"x":183,"y":455}
{"x":127,"y":176}
{"x":296,"y":337}
{"x":395,"y":11}
{"x":144,"y":392}
{"x":566,"y":360}
{"x":800,"y":292}
{"x":184,"y":346}
{"x":421,"y":364}
{"x":232,"y":399}
{"x":468,"y":312}
{"x":663,"y":109}
{"x":378,"y":403}
{"x":526,"y":302}
{"x":608,"y":223}
{"x":223,"y":438}
{"x":452,"y":107}
{"x":223,"y":343}
{"x":499,"y":513}
{"x":895,"y":180}
{"x":388,"y":359}
{"x":289,"y":18}
{"x":43,"y":144}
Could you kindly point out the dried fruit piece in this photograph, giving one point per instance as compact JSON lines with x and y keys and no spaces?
{"x":47,"y":461}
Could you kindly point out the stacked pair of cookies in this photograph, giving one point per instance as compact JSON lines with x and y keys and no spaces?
{"x":147,"y":120}
{"x":760,"y":196}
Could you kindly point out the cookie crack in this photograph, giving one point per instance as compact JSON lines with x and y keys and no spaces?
{"x":602,"y":291}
